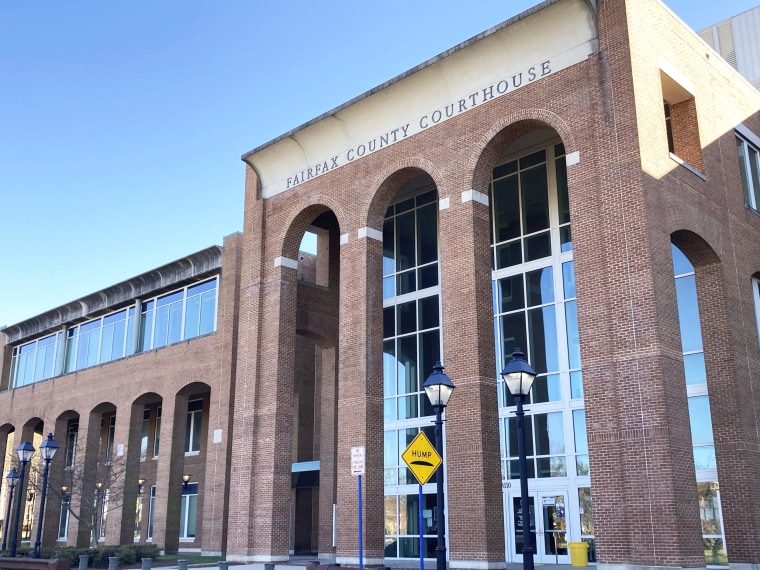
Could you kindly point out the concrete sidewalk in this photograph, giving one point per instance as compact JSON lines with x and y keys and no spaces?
{"x":300,"y":564}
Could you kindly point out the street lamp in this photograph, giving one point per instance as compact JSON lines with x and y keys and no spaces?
{"x":519,"y":377}
{"x":47,"y":450}
{"x":25,"y":452}
{"x":12,"y":478}
{"x":186,"y":480}
{"x":438,"y":388}
{"x":140,"y":486}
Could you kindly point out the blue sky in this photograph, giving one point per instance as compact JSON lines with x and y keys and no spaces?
{"x":122,"y":123}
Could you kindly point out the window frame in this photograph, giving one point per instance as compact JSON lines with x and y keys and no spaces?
{"x":749,"y":140}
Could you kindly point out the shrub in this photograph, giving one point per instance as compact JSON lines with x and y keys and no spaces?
{"x":126,"y":554}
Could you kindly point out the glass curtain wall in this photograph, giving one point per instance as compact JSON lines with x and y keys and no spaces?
{"x":708,"y":489}
{"x":411,"y":346}
{"x":535,"y":310}
{"x":180,"y":315}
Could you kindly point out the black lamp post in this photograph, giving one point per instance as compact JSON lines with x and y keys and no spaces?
{"x":47,"y":450}
{"x":519,"y":377}
{"x":12,"y":478}
{"x":25,"y":452}
{"x":438,"y":388}
{"x":185,"y":480}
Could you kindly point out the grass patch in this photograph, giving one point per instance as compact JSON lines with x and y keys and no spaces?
{"x":191,"y":558}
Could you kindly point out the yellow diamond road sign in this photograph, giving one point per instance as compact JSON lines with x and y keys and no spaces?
{"x":421,"y":458}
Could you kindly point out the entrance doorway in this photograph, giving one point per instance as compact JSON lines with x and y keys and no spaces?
{"x":548,"y":531}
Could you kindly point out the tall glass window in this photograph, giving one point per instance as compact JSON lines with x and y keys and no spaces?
{"x":100,"y":340}
{"x":72,"y":430}
{"x":63,"y":517}
{"x":534,"y":309}
{"x":157,"y":433}
{"x":179,"y":315}
{"x":36,"y":360}
{"x":749,"y":167}
{"x":193,"y":427}
{"x":110,"y":438}
{"x":151,"y":510}
{"x":699,"y":408}
{"x":188,"y":511}
{"x":411,"y":347}
{"x":145,"y":434}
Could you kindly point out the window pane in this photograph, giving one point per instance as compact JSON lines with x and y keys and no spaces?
{"x":579,"y":431}
{"x":513,"y":333}
{"x":537,"y":247}
{"x":175,"y":322}
{"x":407,"y":365}
{"x":427,"y":276}
{"x":506,"y":209}
{"x":427,"y":233}
{"x":511,"y":296}
{"x":193,"y":316}
{"x":547,"y":389}
{"x":573,"y":338}
{"x":550,"y":434}
{"x":389,"y":368}
{"x":542,"y":330}
{"x":428,"y":312}
{"x":406,"y":282}
{"x":568,"y":280}
{"x":508,"y":255}
{"x":405,"y":241}
{"x":562,"y":198}
{"x":540,"y":285}
{"x":741,"y":149}
{"x":407,"y":317}
{"x":208,"y":312}
{"x":688,"y":314}
{"x":694,"y":368}
{"x":701,"y":422}
{"x":389,"y":262}
{"x":535,"y":200}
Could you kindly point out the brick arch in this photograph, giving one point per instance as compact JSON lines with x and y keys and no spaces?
{"x":695,"y":247}
{"x":391,"y":178}
{"x":507,"y":130}
{"x":302,"y":214}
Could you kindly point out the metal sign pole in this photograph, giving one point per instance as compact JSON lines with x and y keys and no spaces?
{"x":422,"y":551}
{"x":361,"y":550}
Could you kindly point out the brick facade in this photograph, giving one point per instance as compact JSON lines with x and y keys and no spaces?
{"x":294,"y":374}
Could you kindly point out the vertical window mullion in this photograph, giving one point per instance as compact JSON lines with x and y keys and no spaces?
{"x":184,"y":313}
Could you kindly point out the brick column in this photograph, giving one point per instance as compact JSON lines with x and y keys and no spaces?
{"x":729,"y":345}
{"x":327,"y":371}
{"x":245,"y":394}
{"x":169,"y":473}
{"x":475,"y":520}
{"x":360,"y":397}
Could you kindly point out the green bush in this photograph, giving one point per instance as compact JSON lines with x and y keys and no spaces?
{"x":126,"y":554}
{"x":145,"y":551}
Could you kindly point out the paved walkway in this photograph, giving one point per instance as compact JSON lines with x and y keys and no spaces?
{"x":300,"y":564}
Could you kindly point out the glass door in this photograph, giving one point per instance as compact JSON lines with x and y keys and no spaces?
{"x":548,"y":530}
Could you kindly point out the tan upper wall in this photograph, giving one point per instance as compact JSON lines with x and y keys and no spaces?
{"x":538,"y":43}
{"x":661,"y":42}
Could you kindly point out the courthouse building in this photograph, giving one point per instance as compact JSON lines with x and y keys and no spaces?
{"x":581,"y":181}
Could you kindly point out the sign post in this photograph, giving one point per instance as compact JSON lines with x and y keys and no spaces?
{"x":423,"y":460}
{"x":357,"y":469}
